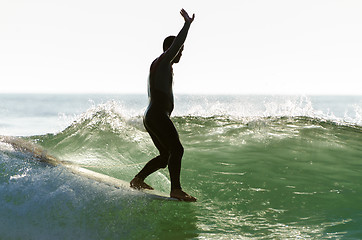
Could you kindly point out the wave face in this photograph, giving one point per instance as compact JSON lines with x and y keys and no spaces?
{"x":261,"y":176}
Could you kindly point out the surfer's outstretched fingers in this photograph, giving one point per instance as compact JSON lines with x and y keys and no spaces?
{"x":138,"y":183}
{"x":181,"y":195}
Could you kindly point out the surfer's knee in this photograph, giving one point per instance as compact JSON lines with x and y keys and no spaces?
{"x":163,"y":161}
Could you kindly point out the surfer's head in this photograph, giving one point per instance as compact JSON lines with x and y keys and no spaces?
{"x":167,"y":44}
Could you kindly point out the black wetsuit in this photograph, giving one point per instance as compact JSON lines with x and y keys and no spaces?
{"x":164,"y":135}
{"x":157,"y":116}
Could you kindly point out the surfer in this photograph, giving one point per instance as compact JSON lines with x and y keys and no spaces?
{"x":157,"y":116}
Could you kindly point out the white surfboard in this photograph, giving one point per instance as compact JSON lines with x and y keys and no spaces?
{"x":115,"y":182}
{"x":43,"y":156}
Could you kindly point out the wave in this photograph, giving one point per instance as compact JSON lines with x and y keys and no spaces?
{"x":106,"y":130}
{"x":105,"y":138}
{"x":279,"y":171}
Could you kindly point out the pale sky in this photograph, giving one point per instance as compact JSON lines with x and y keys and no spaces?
{"x":233,"y":46}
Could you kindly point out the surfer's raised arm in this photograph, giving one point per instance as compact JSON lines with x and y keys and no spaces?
{"x":171,"y":53}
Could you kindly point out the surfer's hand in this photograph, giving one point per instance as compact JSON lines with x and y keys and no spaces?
{"x":186,"y":16}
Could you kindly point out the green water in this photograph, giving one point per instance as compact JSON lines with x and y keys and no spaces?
{"x":254,"y":178}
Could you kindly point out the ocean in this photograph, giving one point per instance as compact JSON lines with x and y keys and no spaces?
{"x":261,"y":167}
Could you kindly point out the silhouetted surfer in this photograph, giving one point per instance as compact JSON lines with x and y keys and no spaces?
{"x":157,"y":117}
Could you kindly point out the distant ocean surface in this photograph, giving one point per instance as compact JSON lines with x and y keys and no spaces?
{"x":261,"y":167}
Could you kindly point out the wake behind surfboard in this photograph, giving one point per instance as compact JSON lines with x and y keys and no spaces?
{"x":40,"y":154}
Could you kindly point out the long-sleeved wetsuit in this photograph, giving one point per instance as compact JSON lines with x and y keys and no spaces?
{"x":157,"y":116}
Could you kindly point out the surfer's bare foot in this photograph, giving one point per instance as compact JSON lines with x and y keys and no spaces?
{"x":138,"y":183}
{"x":181,"y":195}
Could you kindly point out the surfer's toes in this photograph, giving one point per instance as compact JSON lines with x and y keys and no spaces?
{"x":138,"y":184}
{"x":182,"y":196}
{"x":146,"y":186}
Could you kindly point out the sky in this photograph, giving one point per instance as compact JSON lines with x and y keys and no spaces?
{"x":233,"y":46}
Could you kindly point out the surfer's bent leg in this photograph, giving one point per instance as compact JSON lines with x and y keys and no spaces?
{"x":156,"y":163}
{"x":166,"y":139}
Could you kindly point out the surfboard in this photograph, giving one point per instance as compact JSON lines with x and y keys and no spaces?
{"x":115,"y":182}
{"x":42,"y":155}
